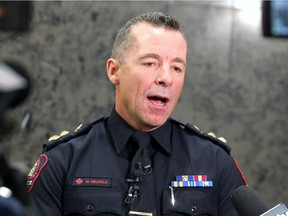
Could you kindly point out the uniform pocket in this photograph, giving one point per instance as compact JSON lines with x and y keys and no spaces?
{"x":189,"y":201}
{"x":92,"y":201}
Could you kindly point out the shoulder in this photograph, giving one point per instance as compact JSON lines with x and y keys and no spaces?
{"x":66,"y":136}
{"x":193,"y":129}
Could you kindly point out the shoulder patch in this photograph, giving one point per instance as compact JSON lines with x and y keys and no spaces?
{"x":35,"y":171}
{"x":65,"y":136}
{"x":220,"y":141}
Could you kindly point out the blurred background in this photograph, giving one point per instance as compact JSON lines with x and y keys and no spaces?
{"x":236,"y":81}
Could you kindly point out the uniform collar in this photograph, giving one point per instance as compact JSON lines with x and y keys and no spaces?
{"x":121,"y":131}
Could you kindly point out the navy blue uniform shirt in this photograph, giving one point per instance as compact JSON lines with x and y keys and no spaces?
{"x":84,"y":173}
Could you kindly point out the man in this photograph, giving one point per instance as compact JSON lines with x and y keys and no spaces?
{"x":99,"y":170}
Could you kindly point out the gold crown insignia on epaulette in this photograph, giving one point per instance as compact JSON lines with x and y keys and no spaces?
{"x":63,"y":133}
{"x":222,"y":139}
{"x":210,"y":134}
{"x":65,"y":136}
{"x":197,"y":128}
{"x":55,"y":137}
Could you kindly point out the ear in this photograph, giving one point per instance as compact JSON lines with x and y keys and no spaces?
{"x":112,"y":67}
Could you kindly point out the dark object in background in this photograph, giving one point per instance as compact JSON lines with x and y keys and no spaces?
{"x":15,"y":86}
{"x":275,"y":18}
{"x":14,"y":89}
{"x":15,"y":15}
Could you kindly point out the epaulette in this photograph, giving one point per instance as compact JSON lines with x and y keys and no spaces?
{"x":220,"y":141}
{"x":65,"y":136}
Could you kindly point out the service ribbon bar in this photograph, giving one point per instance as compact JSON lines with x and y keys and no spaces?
{"x":191,"y":178}
{"x":191,"y":183}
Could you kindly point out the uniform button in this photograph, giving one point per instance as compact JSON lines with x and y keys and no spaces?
{"x":90,"y":208}
{"x":194,"y":209}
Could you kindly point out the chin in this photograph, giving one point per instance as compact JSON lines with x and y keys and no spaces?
{"x":156,"y":121}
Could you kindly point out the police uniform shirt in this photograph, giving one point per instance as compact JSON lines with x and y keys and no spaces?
{"x":85,"y":173}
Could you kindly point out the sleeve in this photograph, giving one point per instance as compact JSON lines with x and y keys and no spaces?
{"x":230,"y":177}
{"x":45,"y":182}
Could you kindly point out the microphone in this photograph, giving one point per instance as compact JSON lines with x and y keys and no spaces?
{"x":248,"y":202}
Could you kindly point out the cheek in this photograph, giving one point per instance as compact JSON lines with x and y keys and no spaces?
{"x":129,"y":90}
{"x":178,"y":85}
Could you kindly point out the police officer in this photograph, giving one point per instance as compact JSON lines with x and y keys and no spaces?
{"x":93,"y":170}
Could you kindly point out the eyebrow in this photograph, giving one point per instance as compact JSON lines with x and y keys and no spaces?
{"x":156,"y":56}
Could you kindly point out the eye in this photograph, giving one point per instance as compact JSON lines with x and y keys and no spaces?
{"x":177,"y":69}
{"x":149,"y":64}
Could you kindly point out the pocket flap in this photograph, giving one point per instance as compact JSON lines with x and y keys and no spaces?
{"x":188,"y":202}
{"x":91,"y":201}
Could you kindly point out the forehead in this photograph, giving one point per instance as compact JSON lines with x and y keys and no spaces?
{"x":149,"y":37}
{"x":145,"y":33}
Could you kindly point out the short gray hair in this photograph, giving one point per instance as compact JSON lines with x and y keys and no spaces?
{"x":124,"y":39}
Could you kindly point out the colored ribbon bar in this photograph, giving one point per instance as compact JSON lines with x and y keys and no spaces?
{"x":191,"y":183}
{"x":191,"y":178}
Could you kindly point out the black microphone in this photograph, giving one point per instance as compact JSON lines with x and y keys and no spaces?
{"x":248,"y":202}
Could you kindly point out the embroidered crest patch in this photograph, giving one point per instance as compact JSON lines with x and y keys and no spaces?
{"x":36,"y":170}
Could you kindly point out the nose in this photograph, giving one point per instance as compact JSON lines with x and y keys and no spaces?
{"x":164,"y":77}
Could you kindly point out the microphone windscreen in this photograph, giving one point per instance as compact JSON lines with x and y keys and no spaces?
{"x":248,"y":202}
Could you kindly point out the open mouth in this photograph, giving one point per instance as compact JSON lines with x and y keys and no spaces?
{"x":158,"y":100}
